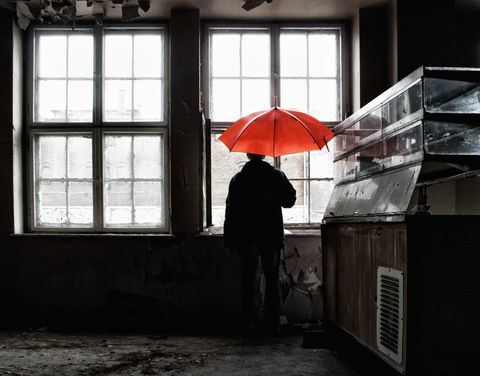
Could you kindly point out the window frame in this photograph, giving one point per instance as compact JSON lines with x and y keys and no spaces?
{"x":97,"y":128}
{"x":275,"y":29}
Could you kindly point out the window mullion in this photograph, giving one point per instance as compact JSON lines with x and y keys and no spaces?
{"x":275,"y":73}
{"x":67,"y":185}
{"x":132,"y":174}
{"x":66,"y":78}
{"x":98,"y":183}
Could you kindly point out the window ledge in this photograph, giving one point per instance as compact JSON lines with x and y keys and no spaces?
{"x":90,"y":235}
{"x":289,"y":232}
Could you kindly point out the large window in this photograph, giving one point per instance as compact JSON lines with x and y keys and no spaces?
{"x":249,"y":69}
{"x":97,"y":130}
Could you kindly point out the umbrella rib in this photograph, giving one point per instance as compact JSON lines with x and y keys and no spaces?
{"x":246,"y":126}
{"x":304,"y":126}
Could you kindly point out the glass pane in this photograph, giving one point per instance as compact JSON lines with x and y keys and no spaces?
{"x":148,"y":156}
{"x":323,"y":100}
{"x":148,"y":203}
{"x":51,"y":157}
{"x":117,"y":157}
{"x":293,"y":54}
{"x":51,"y":100}
{"x":118,"y":203}
{"x":255,"y":96}
{"x":225,"y":100}
{"x":80,"y":203}
{"x":52,"y":203}
{"x":320,"y":192}
{"x":80,"y":100}
{"x":224,"y":166}
{"x":452,"y":138}
{"x":295,"y":165}
{"x":256,"y":55}
{"x":52,"y":56}
{"x":225,"y":55}
{"x":118,"y":100}
{"x":118,"y":55}
{"x":322,"y":55}
{"x":299,"y":212}
{"x":148,"y":60}
{"x":321,"y":163}
{"x":293,"y":94}
{"x":147,"y":100}
{"x":80,"y":56}
{"x":80,"y":157}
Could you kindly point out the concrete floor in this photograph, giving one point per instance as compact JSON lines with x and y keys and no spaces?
{"x":45,"y":352}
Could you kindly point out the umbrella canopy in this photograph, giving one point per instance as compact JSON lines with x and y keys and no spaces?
{"x":276,"y":132}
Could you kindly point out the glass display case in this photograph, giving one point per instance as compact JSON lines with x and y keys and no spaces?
{"x":431,"y":115}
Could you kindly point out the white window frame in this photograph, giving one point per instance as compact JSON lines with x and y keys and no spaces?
{"x":97,"y":129}
{"x":275,"y":30}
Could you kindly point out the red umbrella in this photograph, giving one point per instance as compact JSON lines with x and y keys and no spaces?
{"x":276,"y":132}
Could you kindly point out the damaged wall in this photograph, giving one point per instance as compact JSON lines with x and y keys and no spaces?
{"x":185,"y":278}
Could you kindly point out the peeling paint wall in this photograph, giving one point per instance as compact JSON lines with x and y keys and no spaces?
{"x":185,"y":277}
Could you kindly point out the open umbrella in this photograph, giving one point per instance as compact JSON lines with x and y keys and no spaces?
{"x":276,"y":132}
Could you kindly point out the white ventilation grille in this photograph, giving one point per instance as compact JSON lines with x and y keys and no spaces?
{"x":390,"y":312}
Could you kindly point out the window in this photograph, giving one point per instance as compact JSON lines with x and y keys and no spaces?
{"x":98,"y":141}
{"x":249,"y":68}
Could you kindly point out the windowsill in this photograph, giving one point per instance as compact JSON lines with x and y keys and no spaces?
{"x":91,"y":235}
{"x":289,"y":232}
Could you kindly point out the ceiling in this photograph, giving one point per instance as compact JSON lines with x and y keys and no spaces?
{"x":276,"y":10}
{"x":232,"y":9}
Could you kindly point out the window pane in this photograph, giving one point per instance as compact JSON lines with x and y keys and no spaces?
{"x":118,"y":55}
{"x":294,"y":94}
{"x":255,"y":55}
{"x":51,"y":157}
{"x":52,"y":56}
{"x":52,"y":203}
{"x":223,"y":166}
{"x":323,"y":100}
{"x":148,"y":203}
{"x":118,"y":199}
{"x":80,"y":100}
{"x":295,"y":165}
{"x":321,"y":163}
{"x":148,"y":100}
{"x":79,"y":157}
{"x":134,"y":200}
{"x":225,"y":100}
{"x":148,"y":56}
{"x":225,"y":55}
{"x":320,"y":192}
{"x":255,"y":96}
{"x":80,"y":56}
{"x":322,"y":55}
{"x":299,"y":212}
{"x":80,"y":203}
{"x":118,"y":100}
{"x":293,"y":54}
{"x":148,"y":156}
{"x":118,"y":157}
{"x":51,"y":100}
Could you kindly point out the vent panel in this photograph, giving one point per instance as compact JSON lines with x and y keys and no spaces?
{"x":390,"y":312}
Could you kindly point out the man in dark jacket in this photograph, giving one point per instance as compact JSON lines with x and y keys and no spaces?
{"x":254,"y":227}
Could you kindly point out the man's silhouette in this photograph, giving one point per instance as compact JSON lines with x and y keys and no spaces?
{"x":254,"y":227}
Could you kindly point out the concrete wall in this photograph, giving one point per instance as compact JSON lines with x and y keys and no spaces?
{"x":185,"y":278}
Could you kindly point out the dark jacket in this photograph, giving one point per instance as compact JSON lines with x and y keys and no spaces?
{"x":253,"y":213}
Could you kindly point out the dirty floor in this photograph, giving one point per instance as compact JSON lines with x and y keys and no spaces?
{"x":45,"y":352}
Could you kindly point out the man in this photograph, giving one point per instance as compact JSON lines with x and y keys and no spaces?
{"x":254,"y":227}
